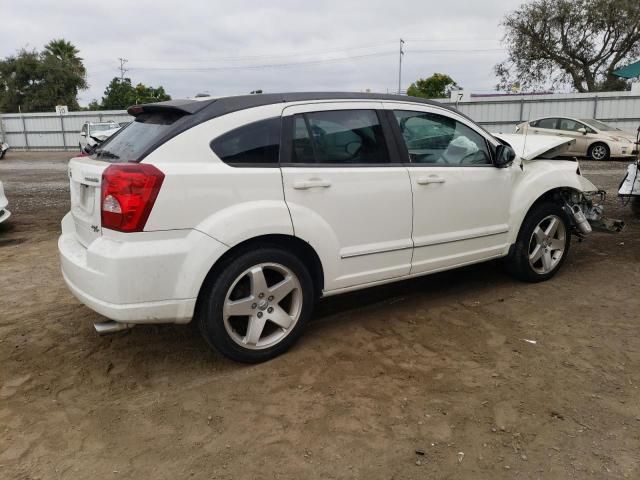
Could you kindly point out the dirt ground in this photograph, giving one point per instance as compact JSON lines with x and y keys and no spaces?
{"x":434,"y":378}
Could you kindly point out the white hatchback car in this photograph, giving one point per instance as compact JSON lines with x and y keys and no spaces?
{"x":240,"y":212}
{"x":593,"y":139}
{"x":96,"y":132}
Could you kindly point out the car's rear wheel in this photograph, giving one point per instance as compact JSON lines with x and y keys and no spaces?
{"x":542,"y":245}
{"x":257,"y":306}
{"x":599,"y":151}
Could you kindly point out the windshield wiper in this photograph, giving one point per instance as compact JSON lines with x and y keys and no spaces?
{"x":107,"y":154}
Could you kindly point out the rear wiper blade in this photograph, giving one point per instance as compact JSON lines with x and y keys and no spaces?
{"x":107,"y":154}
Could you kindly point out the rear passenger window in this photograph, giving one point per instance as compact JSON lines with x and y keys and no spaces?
{"x":547,"y":123}
{"x":570,"y":125}
{"x":255,"y":144}
{"x":339,"y":137}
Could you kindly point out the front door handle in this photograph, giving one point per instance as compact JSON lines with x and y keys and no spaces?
{"x":314,"y":183}
{"x":430,"y":179}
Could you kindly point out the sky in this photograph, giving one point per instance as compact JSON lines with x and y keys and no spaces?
{"x":234,"y":47}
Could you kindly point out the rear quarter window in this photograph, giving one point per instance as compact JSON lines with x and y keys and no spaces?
{"x":255,"y":144}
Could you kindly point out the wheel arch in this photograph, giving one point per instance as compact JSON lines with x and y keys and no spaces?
{"x":554,"y":195}
{"x":290,"y":243}
{"x":599,"y":142}
{"x":542,"y":180}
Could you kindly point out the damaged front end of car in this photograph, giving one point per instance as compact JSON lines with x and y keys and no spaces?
{"x":586,"y":212}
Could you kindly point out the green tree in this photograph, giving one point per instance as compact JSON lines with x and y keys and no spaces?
{"x":438,"y":85}
{"x":20,"y":78}
{"x":120,"y":94}
{"x":570,"y":42}
{"x":38,"y":81}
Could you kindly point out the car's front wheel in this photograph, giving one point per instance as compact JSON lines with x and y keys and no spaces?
{"x":257,"y":306}
{"x":542,"y":245}
{"x":599,"y":151}
{"x":635,"y":206}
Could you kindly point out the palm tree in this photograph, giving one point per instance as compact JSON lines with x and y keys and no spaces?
{"x":67,"y":53}
{"x":64,"y":71}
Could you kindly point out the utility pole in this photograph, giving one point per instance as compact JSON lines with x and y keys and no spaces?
{"x":400,"y":68}
{"x":122,"y":69}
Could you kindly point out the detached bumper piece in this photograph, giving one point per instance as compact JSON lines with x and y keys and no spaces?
{"x":630,"y":186}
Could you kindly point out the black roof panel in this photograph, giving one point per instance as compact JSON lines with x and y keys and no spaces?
{"x":195,"y":112}
{"x":208,"y":109}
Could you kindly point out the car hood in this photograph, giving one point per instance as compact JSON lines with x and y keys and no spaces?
{"x":530,"y":147}
{"x":105,"y":133}
{"x":620,"y":134}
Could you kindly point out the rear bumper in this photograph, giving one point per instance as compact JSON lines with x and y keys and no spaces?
{"x":152,"y":277}
{"x":168,"y":311}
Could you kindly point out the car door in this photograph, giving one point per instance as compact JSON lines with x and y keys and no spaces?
{"x":570,"y":128}
{"x":348,"y":194}
{"x":545,"y":126}
{"x":461,"y":202}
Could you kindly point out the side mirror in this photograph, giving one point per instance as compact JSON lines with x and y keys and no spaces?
{"x":504,"y":156}
{"x":582,"y":130}
{"x":83,"y":134}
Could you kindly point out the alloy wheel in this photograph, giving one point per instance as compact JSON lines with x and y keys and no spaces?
{"x":547,"y":244}
{"x":599,"y":152}
{"x":262,"y":306}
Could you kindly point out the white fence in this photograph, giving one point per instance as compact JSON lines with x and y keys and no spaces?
{"x":501,"y":113}
{"x":49,"y":131}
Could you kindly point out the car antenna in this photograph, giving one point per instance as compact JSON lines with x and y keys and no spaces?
{"x":524,"y":144}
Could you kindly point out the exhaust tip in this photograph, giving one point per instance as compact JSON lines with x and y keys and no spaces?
{"x":111,"y":326}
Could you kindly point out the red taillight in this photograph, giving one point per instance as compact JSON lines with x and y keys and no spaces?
{"x":129,"y":191}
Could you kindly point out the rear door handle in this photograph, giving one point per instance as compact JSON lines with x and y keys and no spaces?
{"x":307,"y":184}
{"x":430,"y":179}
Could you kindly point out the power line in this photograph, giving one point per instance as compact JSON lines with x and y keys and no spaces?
{"x":280,"y":55}
{"x":314,"y":62}
{"x":269,"y":65}
{"x":303,"y":54}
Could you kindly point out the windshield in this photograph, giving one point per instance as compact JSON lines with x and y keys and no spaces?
{"x":129,"y":143}
{"x":599,"y":125}
{"x":101,"y":127}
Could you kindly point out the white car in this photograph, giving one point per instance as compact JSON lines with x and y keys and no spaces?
{"x":96,"y":130}
{"x":593,"y":138}
{"x":4,"y":203}
{"x":240,"y":212}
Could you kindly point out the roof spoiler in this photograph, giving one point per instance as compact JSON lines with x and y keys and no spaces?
{"x":181,"y":107}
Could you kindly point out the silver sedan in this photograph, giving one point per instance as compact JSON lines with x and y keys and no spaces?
{"x":593,"y":139}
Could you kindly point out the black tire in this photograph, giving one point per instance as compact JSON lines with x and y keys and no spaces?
{"x":596,"y":148}
{"x":210,"y":317}
{"x":517,"y":262}
{"x":2,"y":152}
{"x":635,"y":206}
